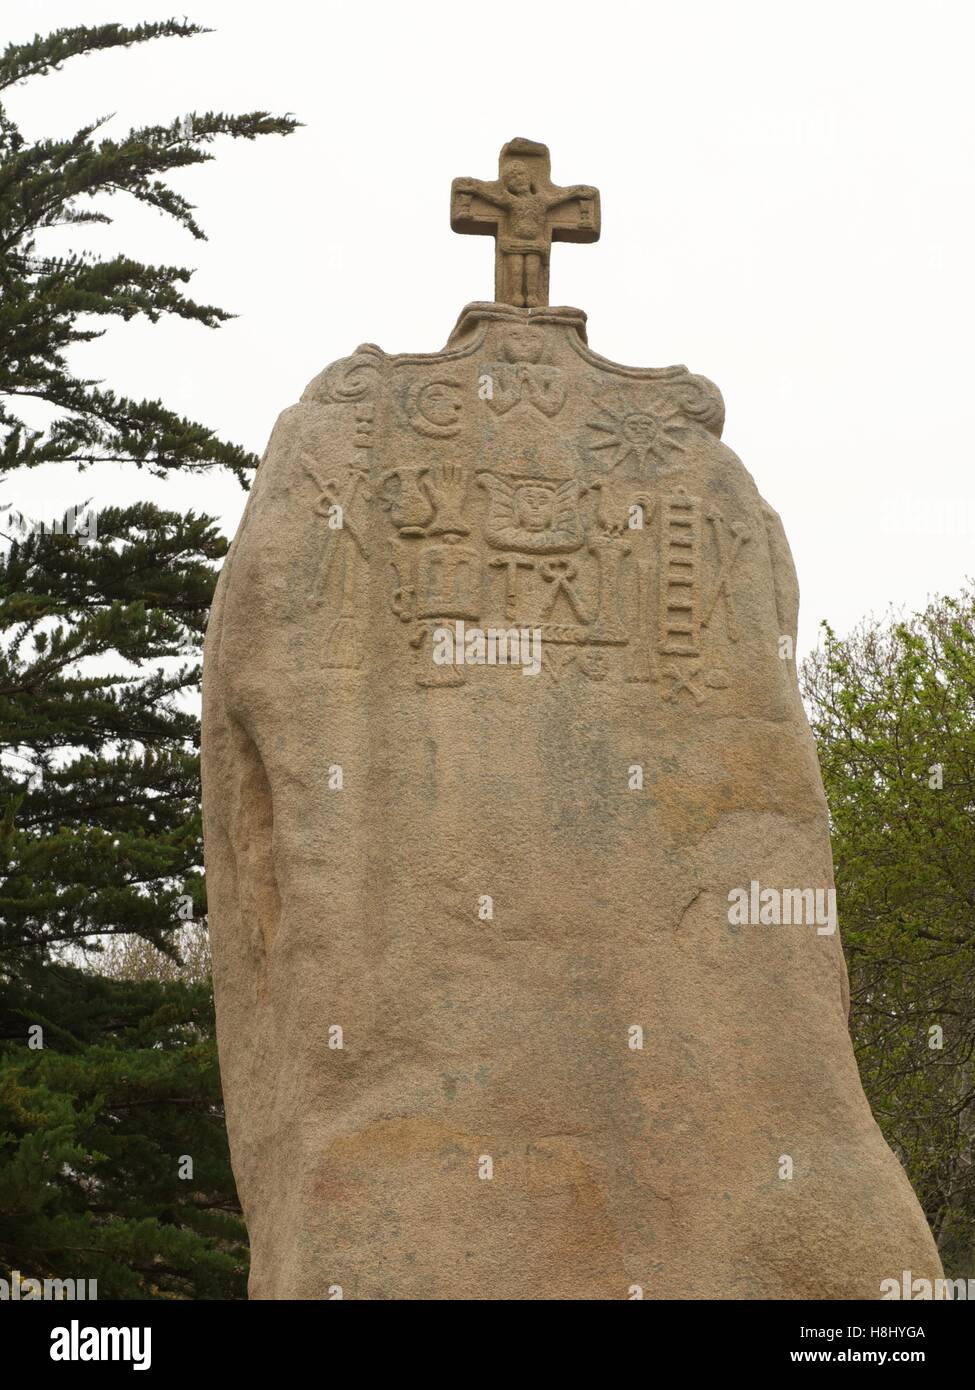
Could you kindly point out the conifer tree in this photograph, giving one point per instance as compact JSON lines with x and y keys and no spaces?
{"x":113,"y":1155}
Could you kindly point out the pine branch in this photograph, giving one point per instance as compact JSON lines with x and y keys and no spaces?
{"x":46,"y":54}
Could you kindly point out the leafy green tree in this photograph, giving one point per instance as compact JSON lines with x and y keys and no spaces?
{"x":101,"y":622}
{"x":893,"y":710}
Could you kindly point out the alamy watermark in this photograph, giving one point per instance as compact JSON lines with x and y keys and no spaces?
{"x":492,"y":646}
{"x":921,"y":1290}
{"x":77,"y":1343}
{"x":19,"y":1288}
{"x":772,"y":907}
{"x":76,"y":521}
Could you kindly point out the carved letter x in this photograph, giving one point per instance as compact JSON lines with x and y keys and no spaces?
{"x":684,"y":680}
{"x":726,"y":560}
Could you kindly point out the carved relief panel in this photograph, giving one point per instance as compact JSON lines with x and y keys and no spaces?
{"x":520,"y":482}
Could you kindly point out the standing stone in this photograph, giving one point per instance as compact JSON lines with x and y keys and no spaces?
{"x":495,"y":1021}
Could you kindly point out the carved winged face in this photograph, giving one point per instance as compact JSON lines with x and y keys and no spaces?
{"x":534,"y":508}
{"x":539,"y":517}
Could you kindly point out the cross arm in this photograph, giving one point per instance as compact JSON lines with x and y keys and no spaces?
{"x":584,"y":226}
{"x":463,"y":217}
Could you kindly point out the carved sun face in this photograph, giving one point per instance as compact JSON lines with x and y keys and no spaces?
{"x":634,"y":434}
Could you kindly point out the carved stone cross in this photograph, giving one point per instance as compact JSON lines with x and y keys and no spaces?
{"x":525,"y":212}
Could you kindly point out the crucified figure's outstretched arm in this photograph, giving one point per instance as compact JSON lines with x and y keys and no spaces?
{"x":568,"y":195}
{"x":483,"y":190}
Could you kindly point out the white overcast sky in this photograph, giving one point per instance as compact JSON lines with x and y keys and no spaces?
{"x":787,"y":194}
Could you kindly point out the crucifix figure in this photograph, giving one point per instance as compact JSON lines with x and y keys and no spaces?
{"x":525,"y":212}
